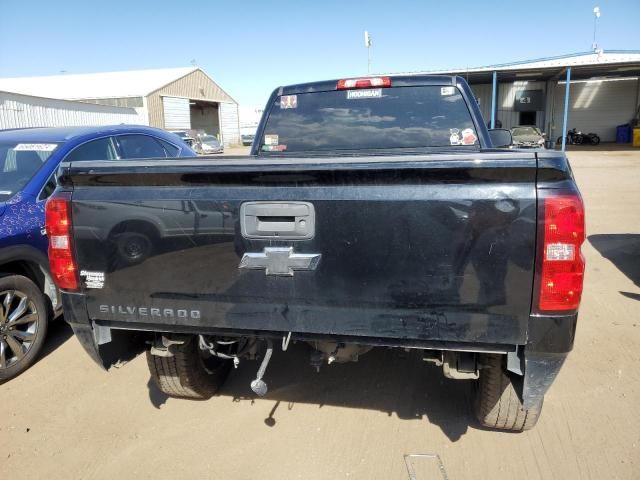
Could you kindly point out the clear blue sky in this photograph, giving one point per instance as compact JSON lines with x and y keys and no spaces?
{"x":250,"y":47}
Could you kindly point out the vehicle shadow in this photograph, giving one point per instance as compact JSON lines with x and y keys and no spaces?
{"x":602,"y":147}
{"x":623,"y":250}
{"x":156,"y":396}
{"x":390,"y":381}
{"x":58,"y":333}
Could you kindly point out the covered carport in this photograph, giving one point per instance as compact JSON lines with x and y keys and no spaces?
{"x":593,"y":91}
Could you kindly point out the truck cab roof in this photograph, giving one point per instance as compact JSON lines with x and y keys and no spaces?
{"x":396,"y":81}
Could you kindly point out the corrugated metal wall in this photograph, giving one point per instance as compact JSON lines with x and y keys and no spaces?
{"x":177,"y":115}
{"x":596,"y":106}
{"x":196,"y":86}
{"x":229,"y":123}
{"x":505,"y":111}
{"x":117,"y":102}
{"x":506,"y":99}
{"x":23,"y":111}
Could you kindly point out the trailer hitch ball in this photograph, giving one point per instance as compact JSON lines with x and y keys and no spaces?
{"x":259,"y":387}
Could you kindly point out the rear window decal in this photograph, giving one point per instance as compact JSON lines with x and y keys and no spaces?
{"x":271,"y":139}
{"x":35,"y":147}
{"x":468,"y":137}
{"x":289,"y":101}
{"x":274,"y":148}
{"x":446,"y":91}
{"x":454,"y":137}
{"x":370,"y":93}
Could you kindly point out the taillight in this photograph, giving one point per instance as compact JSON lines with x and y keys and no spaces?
{"x":562,"y":270}
{"x":370,"y":82}
{"x":58,"y":224}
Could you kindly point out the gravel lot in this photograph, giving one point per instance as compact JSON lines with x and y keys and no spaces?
{"x":64,"y":418}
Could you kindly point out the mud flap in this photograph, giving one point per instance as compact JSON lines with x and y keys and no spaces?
{"x":84,"y":334}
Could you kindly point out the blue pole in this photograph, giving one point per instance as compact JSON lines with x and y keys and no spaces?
{"x":494,"y":89}
{"x":565,"y":118}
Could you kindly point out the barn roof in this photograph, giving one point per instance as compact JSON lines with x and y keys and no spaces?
{"x":132,"y":83}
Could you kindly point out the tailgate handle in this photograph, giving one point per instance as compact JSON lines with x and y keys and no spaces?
{"x":283,"y":220}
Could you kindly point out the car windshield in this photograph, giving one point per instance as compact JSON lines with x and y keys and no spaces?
{"x":376,"y":118}
{"x":18,"y":164}
{"x":521,"y":131}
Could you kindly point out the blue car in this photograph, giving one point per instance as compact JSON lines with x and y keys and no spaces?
{"x":28,"y":162}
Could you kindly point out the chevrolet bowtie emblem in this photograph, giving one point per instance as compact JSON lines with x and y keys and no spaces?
{"x":280,"y":261}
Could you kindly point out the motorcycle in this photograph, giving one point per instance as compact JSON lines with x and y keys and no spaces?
{"x":574,"y":137}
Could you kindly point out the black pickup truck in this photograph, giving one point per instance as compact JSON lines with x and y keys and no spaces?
{"x":373,"y":212}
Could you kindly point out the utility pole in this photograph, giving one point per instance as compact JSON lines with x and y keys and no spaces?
{"x":368,"y":43}
{"x":596,"y":16}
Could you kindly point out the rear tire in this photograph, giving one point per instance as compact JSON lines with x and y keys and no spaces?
{"x":24,"y":317}
{"x":497,"y":405}
{"x":188,"y":373}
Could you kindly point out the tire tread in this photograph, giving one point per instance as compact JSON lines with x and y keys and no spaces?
{"x":183,"y":375}
{"x":497,"y":403}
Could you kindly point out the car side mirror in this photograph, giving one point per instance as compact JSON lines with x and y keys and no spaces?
{"x":500,"y":137}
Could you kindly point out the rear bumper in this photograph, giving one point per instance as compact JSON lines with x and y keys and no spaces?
{"x":534,"y":365}
{"x":546,"y":335}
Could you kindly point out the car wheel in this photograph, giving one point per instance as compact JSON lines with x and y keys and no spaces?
{"x":189,"y":372}
{"x":24,"y":316}
{"x":497,"y":404}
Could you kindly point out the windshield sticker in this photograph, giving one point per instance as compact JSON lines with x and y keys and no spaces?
{"x":271,"y":139}
{"x":289,"y":101}
{"x":372,"y":93}
{"x":454,"y":138}
{"x":35,"y":147}
{"x":468,"y":137}
{"x":446,"y":91}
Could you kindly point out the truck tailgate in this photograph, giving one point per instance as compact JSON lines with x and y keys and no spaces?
{"x":424,"y":247}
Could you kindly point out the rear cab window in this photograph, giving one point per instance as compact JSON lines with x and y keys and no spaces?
{"x":404,"y":117}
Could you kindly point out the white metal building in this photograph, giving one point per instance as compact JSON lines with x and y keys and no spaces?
{"x":604,"y":91}
{"x":24,"y":111}
{"x":173,"y":98}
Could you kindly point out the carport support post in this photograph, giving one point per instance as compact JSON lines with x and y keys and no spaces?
{"x":565,"y":116}
{"x":494,"y":88}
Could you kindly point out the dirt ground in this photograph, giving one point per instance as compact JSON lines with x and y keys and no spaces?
{"x":66,"y":419}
